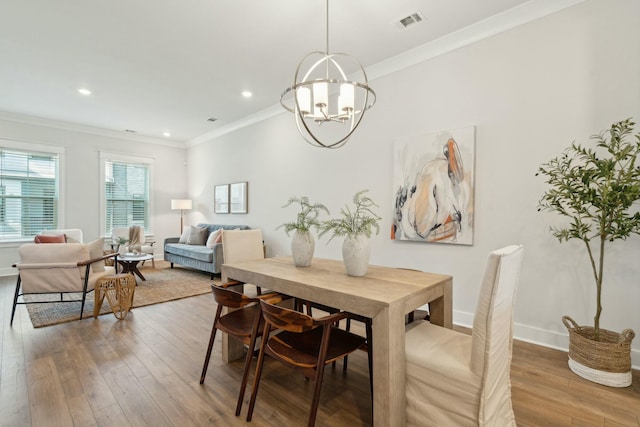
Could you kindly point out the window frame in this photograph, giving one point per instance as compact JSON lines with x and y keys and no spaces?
{"x":123,"y":158}
{"x":36,"y":148}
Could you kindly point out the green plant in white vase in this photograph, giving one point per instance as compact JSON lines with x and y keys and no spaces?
{"x":303,"y":242}
{"x":595,"y":190}
{"x":356,"y":224}
{"x":121,"y":241}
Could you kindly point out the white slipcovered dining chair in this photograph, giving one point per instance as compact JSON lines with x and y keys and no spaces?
{"x":140,"y":242}
{"x":455,"y":379}
{"x":59,"y":268}
{"x":242,"y":245}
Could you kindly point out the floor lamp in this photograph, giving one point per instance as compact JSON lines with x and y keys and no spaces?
{"x":182,"y":204}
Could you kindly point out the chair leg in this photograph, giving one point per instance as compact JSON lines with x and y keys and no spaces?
{"x":84,"y":290}
{"x":319,"y":375}
{"x":247,"y":362}
{"x":256,"y":378}
{"x":369,"y":329}
{"x":345,"y":361}
{"x":15,"y":299}
{"x":212,"y":338}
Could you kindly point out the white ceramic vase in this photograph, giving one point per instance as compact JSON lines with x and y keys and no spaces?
{"x":302,"y":246}
{"x":355,"y":254}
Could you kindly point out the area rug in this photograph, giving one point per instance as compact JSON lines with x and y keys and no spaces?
{"x":162,"y":284}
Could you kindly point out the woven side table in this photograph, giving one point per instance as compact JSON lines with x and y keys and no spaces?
{"x":119,"y":290}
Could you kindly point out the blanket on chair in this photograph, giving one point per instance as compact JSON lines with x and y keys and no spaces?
{"x":134,"y":239}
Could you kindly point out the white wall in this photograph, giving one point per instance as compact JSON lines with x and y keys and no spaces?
{"x":530,"y":92}
{"x":82,"y":169}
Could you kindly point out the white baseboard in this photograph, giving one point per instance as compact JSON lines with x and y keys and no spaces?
{"x":543,"y":337}
{"x":8,"y":271}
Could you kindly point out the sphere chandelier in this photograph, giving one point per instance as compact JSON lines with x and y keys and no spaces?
{"x":327,"y":103}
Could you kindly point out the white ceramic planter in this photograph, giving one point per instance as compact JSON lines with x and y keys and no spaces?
{"x":355,"y":254}
{"x":302,"y":246}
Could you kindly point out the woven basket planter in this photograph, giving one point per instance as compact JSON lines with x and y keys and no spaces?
{"x":606,"y":361}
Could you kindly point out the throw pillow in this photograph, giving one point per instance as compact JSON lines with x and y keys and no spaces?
{"x":55,"y":238}
{"x":96,"y":250}
{"x":197,"y":236}
{"x":211,"y":240}
{"x":219,"y":238}
{"x":185,"y":235}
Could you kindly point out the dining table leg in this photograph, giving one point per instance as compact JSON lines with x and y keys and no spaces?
{"x":389,"y":367}
{"x":441,"y":308}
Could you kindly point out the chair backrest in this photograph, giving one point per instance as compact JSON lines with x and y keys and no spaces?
{"x":52,"y":267}
{"x":73,"y":235}
{"x":492,"y":335}
{"x":229,"y":297}
{"x":242,"y":245}
{"x":285,"y":319}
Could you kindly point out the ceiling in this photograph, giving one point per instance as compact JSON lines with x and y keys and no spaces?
{"x":157,"y":66}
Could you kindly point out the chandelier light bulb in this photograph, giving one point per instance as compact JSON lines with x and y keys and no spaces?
{"x":304,"y":100}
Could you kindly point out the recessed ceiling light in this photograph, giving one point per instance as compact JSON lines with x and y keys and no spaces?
{"x":166,"y":134}
{"x":247,"y":94}
{"x":84,"y":91}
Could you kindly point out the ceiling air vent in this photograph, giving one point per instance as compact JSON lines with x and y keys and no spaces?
{"x":409,"y":21}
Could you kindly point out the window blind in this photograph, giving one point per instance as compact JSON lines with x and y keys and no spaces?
{"x":126,"y":195}
{"x":29,"y":185}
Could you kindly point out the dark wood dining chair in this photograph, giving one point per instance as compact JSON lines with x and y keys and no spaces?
{"x":245,"y":323}
{"x":305,"y":343}
{"x":368,"y":346}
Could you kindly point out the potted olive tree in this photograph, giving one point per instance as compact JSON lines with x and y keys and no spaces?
{"x":595,"y":190}
{"x":303,"y":242}
{"x":356,"y":225}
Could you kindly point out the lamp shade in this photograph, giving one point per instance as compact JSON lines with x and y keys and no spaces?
{"x":181,"y":204}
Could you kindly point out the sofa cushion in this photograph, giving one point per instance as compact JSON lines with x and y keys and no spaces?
{"x":200,"y":253}
{"x":214,"y":227}
{"x":197,"y":236}
{"x":185,"y":235}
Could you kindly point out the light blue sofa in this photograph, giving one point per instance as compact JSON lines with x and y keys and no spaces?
{"x":196,"y":256}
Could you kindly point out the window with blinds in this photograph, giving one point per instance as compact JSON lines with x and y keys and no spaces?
{"x":126,"y":194}
{"x":29,"y":187}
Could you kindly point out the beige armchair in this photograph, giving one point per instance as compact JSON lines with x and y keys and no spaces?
{"x":143,"y":245}
{"x":454,"y":379}
{"x":72,"y":235}
{"x":59,"y":268}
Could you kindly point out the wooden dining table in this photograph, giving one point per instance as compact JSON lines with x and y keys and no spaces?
{"x":384,"y":294}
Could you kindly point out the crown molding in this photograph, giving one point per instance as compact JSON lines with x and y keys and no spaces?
{"x":517,"y":16}
{"x":261,"y":115}
{"x":75,"y":127}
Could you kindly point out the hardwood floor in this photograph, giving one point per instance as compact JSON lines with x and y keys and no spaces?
{"x":144,"y":370}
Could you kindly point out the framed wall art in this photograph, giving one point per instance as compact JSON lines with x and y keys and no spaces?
{"x":433,"y":184}
{"x":238,"y":197}
{"x":221,"y":199}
